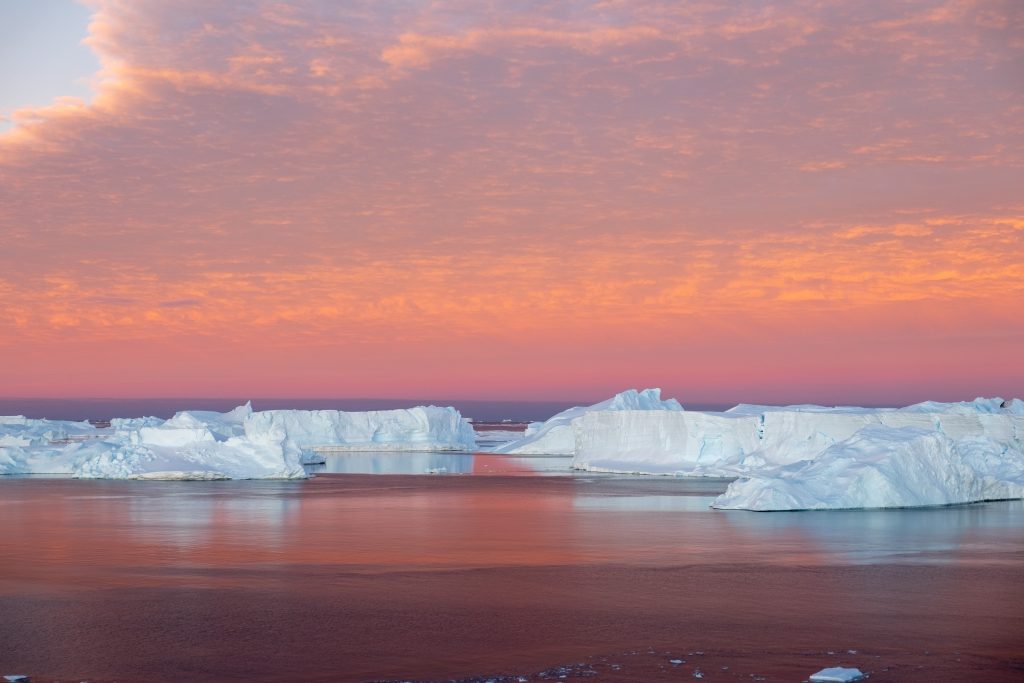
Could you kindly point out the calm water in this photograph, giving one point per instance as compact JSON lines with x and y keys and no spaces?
{"x":397,"y":577}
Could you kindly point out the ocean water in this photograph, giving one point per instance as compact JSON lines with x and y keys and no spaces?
{"x":493,"y":573}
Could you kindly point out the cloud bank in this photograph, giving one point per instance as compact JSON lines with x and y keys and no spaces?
{"x":787,"y":200}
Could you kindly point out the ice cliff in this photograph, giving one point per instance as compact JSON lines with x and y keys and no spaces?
{"x":423,"y":428}
{"x":240,"y":444}
{"x":555,"y":436}
{"x":805,"y":456}
{"x":880,"y":467}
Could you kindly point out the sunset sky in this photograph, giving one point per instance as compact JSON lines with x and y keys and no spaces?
{"x":734,"y":201}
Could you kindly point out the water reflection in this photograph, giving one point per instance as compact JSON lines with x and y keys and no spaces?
{"x":276,"y":581}
{"x":980,"y":532}
{"x":643,"y":503}
{"x":101,"y":531}
{"x":184,"y":517}
{"x":368,"y":462}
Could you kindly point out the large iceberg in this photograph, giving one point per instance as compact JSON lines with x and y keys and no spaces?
{"x":815,"y":457}
{"x":240,"y":444}
{"x":881,"y":467}
{"x":423,"y":428}
{"x":555,"y":435}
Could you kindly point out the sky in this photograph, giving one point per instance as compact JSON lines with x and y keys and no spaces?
{"x":42,"y":56}
{"x":760,"y":201}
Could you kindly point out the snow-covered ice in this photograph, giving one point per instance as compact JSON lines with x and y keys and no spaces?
{"x":837,"y":674}
{"x":424,"y":428}
{"x":801,"y":457}
{"x":816,"y":457}
{"x":204,"y":445}
{"x":881,"y":467}
{"x":554,"y":436}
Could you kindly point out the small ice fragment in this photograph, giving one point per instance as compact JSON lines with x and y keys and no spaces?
{"x":851,"y":652}
{"x":17,"y":678}
{"x":675,"y":662}
{"x":837,"y":674}
{"x":698,"y":674}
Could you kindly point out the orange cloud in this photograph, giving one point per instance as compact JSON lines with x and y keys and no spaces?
{"x":292,"y":197}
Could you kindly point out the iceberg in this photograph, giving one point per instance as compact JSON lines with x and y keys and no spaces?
{"x":880,"y":467}
{"x":423,"y":428}
{"x":656,"y":442}
{"x":555,"y":435}
{"x":836,"y":674}
{"x":204,"y":445}
{"x":815,"y":457}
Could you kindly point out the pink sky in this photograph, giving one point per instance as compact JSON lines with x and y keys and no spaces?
{"x":790,"y":201}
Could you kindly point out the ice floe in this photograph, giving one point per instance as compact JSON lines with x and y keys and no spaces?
{"x":837,"y":674}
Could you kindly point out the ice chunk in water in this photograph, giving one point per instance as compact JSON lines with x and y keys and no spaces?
{"x":837,"y":674}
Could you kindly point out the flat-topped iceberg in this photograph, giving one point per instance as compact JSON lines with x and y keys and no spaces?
{"x":816,"y":457}
{"x":423,"y":428}
{"x":240,"y":444}
{"x":555,"y":436}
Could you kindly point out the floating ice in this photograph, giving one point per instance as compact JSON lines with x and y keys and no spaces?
{"x":814,"y":457}
{"x":203,"y":445}
{"x":881,"y":467}
{"x":424,"y":428}
{"x":836,"y":674}
{"x":555,"y":435}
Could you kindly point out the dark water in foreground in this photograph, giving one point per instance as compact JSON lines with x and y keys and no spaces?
{"x":357,"y":577}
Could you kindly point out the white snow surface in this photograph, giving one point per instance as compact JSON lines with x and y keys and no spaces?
{"x":423,"y":428}
{"x":204,"y":445}
{"x":814,"y":457}
{"x":881,"y":467}
{"x":555,"y":435}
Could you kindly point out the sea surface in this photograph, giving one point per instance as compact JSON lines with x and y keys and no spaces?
{"x":487,"y":571}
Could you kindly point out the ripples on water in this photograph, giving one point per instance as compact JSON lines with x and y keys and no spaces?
{"x":352,"y":577}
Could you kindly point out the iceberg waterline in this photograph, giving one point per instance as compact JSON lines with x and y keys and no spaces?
{"x":203,"y":445}
{"x":803,"y":457}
